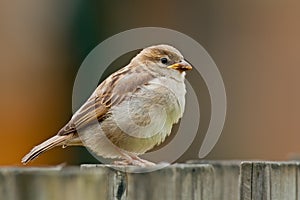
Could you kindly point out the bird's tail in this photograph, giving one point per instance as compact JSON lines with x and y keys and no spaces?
{"x":54,"y":141}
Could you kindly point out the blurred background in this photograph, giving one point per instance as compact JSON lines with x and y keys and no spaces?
{"x":255,"y":44}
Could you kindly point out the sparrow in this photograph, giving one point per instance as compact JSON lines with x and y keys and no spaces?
{"x":131,"y":111}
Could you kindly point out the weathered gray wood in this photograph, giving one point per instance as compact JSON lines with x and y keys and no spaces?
{"x":260,"y":181}
{"x":44,"y":184}
{"x":283,"y":181}
{"x":176,"y":182}
{"x":298,"y":181}
{"x":246,"y":180}
{"x":226,"y":181}
{"x":179,"y":181}
{"x":269,"y":181}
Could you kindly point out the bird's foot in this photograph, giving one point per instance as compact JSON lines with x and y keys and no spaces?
{"x":135,"y":161}
{"x":145,"y":162}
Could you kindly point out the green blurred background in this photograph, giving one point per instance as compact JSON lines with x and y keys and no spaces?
{"x":255,"y":44}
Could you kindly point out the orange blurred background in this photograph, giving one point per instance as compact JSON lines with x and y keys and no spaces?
{"x":255,"y":44}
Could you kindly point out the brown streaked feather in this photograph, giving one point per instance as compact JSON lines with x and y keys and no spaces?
{"x":109,"y":93}
{"x":54,"y":141}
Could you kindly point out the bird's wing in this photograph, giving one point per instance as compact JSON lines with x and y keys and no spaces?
{"x":109,"y":93}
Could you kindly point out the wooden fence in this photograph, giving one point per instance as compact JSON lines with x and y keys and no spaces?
{"x":207,"y":180}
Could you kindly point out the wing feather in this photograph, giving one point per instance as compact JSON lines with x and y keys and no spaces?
{"x":110,"y":92}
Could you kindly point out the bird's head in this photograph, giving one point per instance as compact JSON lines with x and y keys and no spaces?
{"x":162,"y":58}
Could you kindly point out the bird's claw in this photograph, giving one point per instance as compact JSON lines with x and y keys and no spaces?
{"x":135,"y":162}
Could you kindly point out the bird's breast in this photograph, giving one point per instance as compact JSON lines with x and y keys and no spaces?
{"x":145,"y":118}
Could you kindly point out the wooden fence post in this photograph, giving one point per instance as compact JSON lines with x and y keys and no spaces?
{"x":203,"y":180}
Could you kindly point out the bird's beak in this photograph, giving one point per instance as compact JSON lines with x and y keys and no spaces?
{"x":181,"y":66}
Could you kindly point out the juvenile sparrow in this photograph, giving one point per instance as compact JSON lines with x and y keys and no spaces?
{"x":130,"y":112}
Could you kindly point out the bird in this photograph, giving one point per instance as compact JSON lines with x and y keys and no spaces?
{"x":131,"y":111}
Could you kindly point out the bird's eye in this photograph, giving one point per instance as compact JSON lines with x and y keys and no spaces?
{"x":164,"y":60}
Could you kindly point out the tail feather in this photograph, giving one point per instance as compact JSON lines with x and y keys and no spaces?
{"x":54,"y":141}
